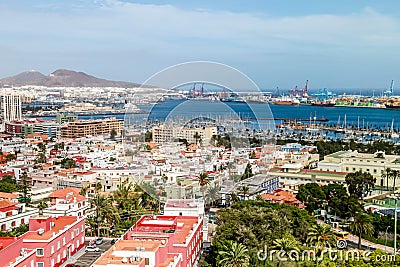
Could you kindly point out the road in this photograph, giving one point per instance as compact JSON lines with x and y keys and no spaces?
{"x":86,"y":259}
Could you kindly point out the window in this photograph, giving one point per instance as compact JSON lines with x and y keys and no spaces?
{"x":146,"y":261}
{"x":58,"y":258}
{"x":72,"y":235}
{"x":39,"y":252}
{"x":40,"y":264}
{"x":58,"y":245}
{"x":52,"y":250}
{"x":63,"y":241}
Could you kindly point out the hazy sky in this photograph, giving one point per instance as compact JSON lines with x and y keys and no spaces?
{"x":277,"y":43}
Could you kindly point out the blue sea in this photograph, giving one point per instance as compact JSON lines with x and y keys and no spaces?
{"x":188,"y":109}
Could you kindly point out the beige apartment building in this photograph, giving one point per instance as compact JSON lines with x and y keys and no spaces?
{"x":166,"y":133}
{"x":351,"y":161}
{"x":82,"y":128}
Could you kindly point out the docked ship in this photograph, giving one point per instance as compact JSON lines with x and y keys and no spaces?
{"x":393,"y":103}
{"x":287,"y":101}
{"x":323,"y":103}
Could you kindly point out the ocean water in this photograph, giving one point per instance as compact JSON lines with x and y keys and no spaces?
{"x":190,"y":109}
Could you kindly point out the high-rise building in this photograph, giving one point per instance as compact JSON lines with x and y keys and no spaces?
{"x":11,"y":107}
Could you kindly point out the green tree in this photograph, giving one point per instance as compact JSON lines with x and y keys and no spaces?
{"x":362,"y":225}
{"x":103,"y":209}
{"x":113,"y":133}
{"x":233,"y":254}
{"x":247,"y":172}
{"x":83,"y":191}
{"x":24,"y":187}
{"x":68,"y":163}
{"x":244,"y":191}
{"x":360,"y":183}
{"x":386,"y":173}
{"x":321,"y":236}
{"x":395,"y":174}
{"x":312,"y":195}
{"x":213,"y":194}
{"x":197,"y":137}
{"x":286,"y":244}
{"x":42,"y":205}
{"x":203,"y":183}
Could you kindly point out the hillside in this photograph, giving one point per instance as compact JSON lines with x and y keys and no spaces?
{"x":62,"y":78}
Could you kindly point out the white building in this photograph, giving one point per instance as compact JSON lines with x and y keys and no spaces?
{"x":351,"y":161}
{"x":13,"y":215}
{"x":11,"y":107}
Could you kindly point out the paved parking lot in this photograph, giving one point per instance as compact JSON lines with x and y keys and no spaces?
{"x":88,"y":258}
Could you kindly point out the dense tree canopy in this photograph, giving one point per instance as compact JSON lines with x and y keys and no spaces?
{"x":360,"y":183}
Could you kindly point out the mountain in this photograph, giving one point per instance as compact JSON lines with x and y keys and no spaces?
{"x":62,"y":78}
{"x":25,"y":78}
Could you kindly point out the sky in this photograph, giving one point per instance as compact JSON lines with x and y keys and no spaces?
{"x":277,"y":43}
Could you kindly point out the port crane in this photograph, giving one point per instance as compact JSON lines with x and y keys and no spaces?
{"x":299,"y":92}
{"x":324,"y":94}
{"x":389,"y":92}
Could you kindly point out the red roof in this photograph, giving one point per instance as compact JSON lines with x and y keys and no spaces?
{"x":67,"y":193}
{"x":6,"y":205}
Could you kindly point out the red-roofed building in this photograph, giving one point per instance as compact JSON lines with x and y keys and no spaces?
{"x":67,"y":201}
{"x":283,"y":197}
{"x":49,"y":242}
{"x":13,"y":214}
{"x":173,"y":241}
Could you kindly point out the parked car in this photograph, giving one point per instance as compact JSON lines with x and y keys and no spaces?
{"x":92,"y":249}
{"x":72,"y":265}
{"x":99,"y":241}
{"x":114,"y":241}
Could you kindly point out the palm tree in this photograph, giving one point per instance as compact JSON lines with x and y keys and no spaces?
{"x":212,"y":194}
{"x":197,"y":137}
{"x":362,"y":225}
{"x":395,"y":174}
{"x":83,"y":191}
{"x":287,"y":244}
{"x":203,"y":182}
{"x":386,"y":174}
{"x":321,"y":236}
{"x":101,"y":205}
{"x":233,"y":254}
{"x":244,"y":190}
{"x":42,"y":205}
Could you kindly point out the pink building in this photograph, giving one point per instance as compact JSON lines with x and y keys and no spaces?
{"x":49,"y":242}
{"x":173,"y":241}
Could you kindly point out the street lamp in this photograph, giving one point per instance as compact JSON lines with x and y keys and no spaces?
{"x":386,"y":236}
{"x":395,"y":227}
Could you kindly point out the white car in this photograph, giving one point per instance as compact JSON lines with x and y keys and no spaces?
{"x":92,"y":249}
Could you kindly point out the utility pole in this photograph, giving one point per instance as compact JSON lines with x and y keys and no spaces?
{"x":395,"y":229}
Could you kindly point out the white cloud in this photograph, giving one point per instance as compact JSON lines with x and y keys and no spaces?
{"x":167,"y":34}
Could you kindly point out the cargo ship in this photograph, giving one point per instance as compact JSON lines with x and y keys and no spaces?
{"x":323,"y":103}
{"x":287,"y":101}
